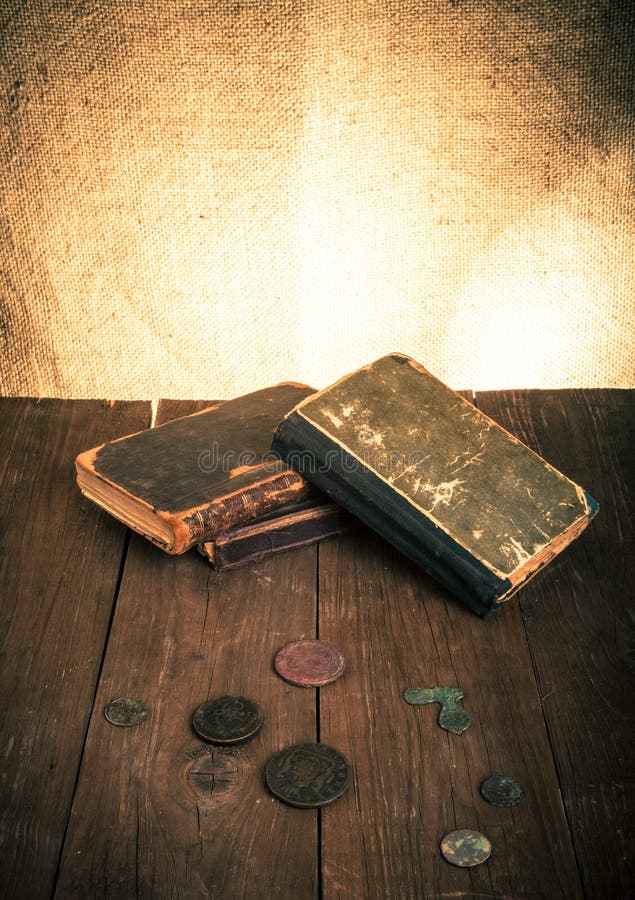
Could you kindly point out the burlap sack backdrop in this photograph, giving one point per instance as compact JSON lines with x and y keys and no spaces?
{"x":202,"y":198}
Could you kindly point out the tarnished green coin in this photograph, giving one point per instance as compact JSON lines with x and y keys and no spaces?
{"x":308,"y":775}
{"x":465,"y":848}
{"x":227,"y":720}
{"x":502,"y":790}
{"x":452,"y":717}
{"x":126,"y":711}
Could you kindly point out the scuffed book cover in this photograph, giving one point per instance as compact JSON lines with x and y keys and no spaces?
{"x":446,"y":485}
{"x":182,"y":482}
{"x":290,"y":526}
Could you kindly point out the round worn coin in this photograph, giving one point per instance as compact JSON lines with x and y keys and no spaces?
{"x":309,"y":663}
{"x":227,"y":720}
{"x":126,"y":711}
{"x":502,"y":790}
{"x":308,"y":775}
{"x":465,"y":848}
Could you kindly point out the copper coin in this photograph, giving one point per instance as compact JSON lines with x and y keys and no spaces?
{"x":502,"y":790}
{"x":308,"y":775}
{"x":309,"y":663}
{"x":465,"y":848}
{"x":227,"y":720}
{"x":126,"y":711}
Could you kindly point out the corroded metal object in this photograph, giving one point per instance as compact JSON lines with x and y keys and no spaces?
{"x":309,"y":663}
{"x":465,"y":848}
{"x":502,"y":790}
{"x":308,"y":775}
{"x":126,"y":711}
{"x":452,"y":717}
{"x":227,"y":720}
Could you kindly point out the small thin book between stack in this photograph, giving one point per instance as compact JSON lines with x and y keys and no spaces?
{"x":286,"y":528}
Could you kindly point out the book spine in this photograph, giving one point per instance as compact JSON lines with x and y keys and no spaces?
{"x":252,"y":543}
{"x":202,"y":523}
{"x":328,"y":465}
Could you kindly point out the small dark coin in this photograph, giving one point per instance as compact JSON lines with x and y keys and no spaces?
{"x":126,"y":711}
{"x":502,"y":790}
{"x":309,"y":663}
{"x":308,"y":775}
{"x":227,"y":720}
{"x":465,"y":848}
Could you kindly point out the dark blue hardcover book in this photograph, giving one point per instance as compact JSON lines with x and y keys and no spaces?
{"x":445,"y":484}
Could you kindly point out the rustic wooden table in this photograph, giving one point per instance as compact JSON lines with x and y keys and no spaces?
{"x":90,"y":612}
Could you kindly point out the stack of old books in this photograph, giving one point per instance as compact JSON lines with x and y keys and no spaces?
{"x":388,"y":446}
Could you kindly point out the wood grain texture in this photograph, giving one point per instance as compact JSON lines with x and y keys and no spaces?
{"x":159,"y":813}
{"x":581,"y":625}
{"x":415,"y":782}
{"x":59,"y":563}
{"x":172,"y":409}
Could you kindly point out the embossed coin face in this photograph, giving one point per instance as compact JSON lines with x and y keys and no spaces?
{"x":227,"y":720}
{"x":309,"y":663}
{"x":502,"y":790}
{"x":465,"y":848}
{"x":126,"y":711}
{"x":308,"y":775}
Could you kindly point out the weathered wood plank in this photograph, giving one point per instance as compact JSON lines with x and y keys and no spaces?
{"x":413,"y":781}
{"x":59,"y":563}
{"x":172,"y":409}
{"x":181,"y":631}
{"x":580,"y":622}
{"x":159,"y":813}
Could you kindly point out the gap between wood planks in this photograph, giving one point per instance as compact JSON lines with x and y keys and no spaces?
{"x":113,"y":607}
{"x":319,"y":819}
{"x":535,"y":669}
{"x":122,"y":565}
{"x":550,"y":737}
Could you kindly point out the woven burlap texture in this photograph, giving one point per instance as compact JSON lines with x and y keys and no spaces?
{"x":200,"y":199}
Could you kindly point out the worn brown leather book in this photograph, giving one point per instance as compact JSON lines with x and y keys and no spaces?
{"x":184,"y":481}
{"x":444,"y":483}
{"x":292,"y":525}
